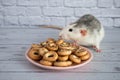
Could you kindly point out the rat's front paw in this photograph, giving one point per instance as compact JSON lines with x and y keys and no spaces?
{"x":96,"y":49}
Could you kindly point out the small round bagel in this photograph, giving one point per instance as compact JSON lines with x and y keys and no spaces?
{"x":50,"y":40}
{"x":75,"y":59}
{"x":42,"y":51}
{"x":60,"y":41}
{"x":63,"y":63}
{"x":85,"y":57}
{"x":50,"y":56}
{"x":34,"y":55}
{"x":46,"y":63}
{"x":64,"y":52}
{"x":43,"y":44}
{"x":36,"y":46}
{"x":63,"y":58}
{"x":52,"y":46}
{"x":81,"y":52}
{"x":66,"y":45}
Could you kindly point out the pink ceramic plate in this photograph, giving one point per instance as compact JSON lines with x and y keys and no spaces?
{"x":58,"y":68}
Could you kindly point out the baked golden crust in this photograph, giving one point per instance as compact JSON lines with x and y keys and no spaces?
{"x":50,"y":56}
{"x":64,"y":52}
{"x":75,"y":59}
{"x":80,"y":52}
{"x":49,"y":40}
{"x":34,"y":54}
{"x":62,"y":63}
{"x":63,"y":58}
{"x":66,"y":45}
{"x":52,"y":46}
{"x":85,"y":57}
{"x":59,"y":41}
{"x":43,"y":44}
{"x":44,"y":62}
{"x":42,"y":51}
{"x":36,"y":46}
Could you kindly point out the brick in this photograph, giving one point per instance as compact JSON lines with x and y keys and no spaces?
{"x":106,"y":21}
{"x":71,"y":20}
{"x":60,"y":21}
{"x":8,"y":2}
{"x":43,"y":3}
{"x":105,"y":3}
{"x":11,"y":20}
{"x":117,"y":22}
{"x":23,"y":20}
{"x":54,"y":3}
{"x":13,"y":11}
{"x":28,"y":2}
{"x":81,"y":3}
{"x":98,"y":12}
{"x":33,"y":11}
{"x":58,"y":11}
{"x":117,"y":3}
{"x":34,"y":20}
{"x":39,"y":20}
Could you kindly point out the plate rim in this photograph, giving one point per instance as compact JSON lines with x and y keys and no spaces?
{"x":58,"y":68}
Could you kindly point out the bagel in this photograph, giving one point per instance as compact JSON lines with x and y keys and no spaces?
{"x":50,"y":56}
{"x":81,"y":52}
{"x":62,"y":63}
{"x":43,"y":44}
{"x":74,"y":48}
{"x":50,"y":40}
{"x":63,"y":58}
{"x":44,"y":62}
{"x":42,"y":51}
{"x":60,"y":41}
{"x":64,"y":52}
{"x":36,"y":46}
{"x":75,"y":59}
{"x":52,"y":46}
{"x":34,"y":55}
{"x":66,"y":45}
{"x":85,"y":57}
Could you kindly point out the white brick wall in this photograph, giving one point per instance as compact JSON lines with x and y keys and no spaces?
{"x":27,"y":2}
{"x":117,"y":3}
{"x":81,"y":3}
{"x":105,"y":3}
{"x":57,"y":12}
{"x":117,"y":22}
{"x":8,"y":2}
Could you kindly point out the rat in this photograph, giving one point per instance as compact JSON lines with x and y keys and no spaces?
{"x":86,"y":31}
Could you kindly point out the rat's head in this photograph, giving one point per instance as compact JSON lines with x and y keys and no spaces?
{"x":71,"y":32}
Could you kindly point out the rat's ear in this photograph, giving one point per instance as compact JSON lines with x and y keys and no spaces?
{"x":83,"y":32}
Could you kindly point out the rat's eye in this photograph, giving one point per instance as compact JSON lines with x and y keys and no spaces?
{"x":70,"y":30}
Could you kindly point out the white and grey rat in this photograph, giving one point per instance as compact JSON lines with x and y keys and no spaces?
{"x":86,"y":31}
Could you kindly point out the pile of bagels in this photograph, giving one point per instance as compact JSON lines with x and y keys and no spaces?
{"x":58,"y":53}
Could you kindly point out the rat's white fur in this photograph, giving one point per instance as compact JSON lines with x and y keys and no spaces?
{"x":88,"y":40}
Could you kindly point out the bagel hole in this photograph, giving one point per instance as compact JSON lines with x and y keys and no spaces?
{"x":36,"y":53}
{"x":50,"y":55}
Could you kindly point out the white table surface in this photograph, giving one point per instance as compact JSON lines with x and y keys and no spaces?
{"x":13,"y":65}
